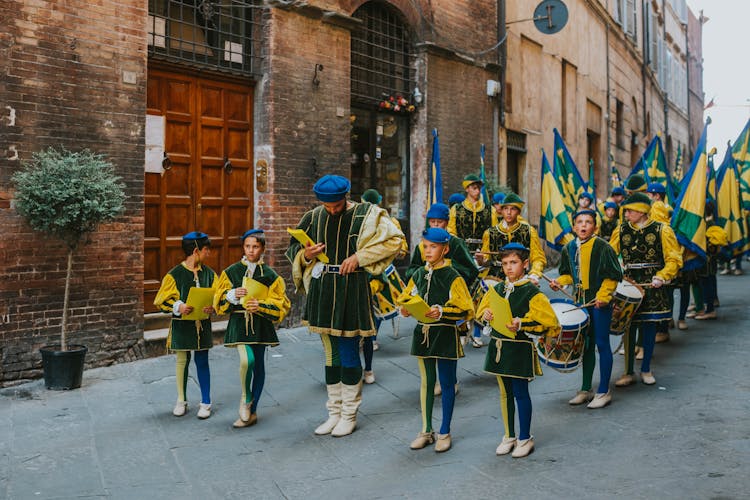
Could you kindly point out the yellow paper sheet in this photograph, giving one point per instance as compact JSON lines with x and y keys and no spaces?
{"x":302,"y":237}
{"x":255,"y":290}
{"x":501,"y":314}
{"x":199,"y":298}
{"x":417,"y":307}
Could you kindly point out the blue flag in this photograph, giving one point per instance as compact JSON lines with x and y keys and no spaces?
{"x":435,"y":195}
{"x":483,"y":176}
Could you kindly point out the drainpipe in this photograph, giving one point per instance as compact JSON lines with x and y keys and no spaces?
{"x":609,"y":109}
{"x":665,"y":94}
{"x":498,"y":111}
{"x":687,"y":77}
{"x":643,"y":68}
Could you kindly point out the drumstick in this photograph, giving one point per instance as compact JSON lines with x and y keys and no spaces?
{"x":583,"y":306}
{"x":560,"y":290}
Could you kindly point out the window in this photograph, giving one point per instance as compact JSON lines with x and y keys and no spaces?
{"x":206,"y":33}
{"x":620,"y":124}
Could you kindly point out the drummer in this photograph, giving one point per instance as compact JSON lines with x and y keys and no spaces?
{"x":591,"y":265}
{"x":661,"y":212}
{"x":651,"y":257}
{"x":511,"y":229}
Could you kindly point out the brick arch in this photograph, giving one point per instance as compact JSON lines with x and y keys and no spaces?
{"x":405,"y":7}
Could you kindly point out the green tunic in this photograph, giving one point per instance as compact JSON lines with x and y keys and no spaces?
{"x":643,"y":256}
{"x":437,"y":340}
{"x":338,"y":305}
{"x":460,"y":258}
{"x":498,"y":239}
{"x":514,"y":357}
{"x":244,"y":327}
{"x":605,"y":230}
{"x":187,"y":335}
{"x":603,"y":265}
{"x":470,"y":225}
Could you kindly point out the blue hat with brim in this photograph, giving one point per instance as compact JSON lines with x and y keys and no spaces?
{"x":439,"y":211}
{"x":610,"y":204}
{"x":592,"y":213}
{"x":456,"y":198}
{"x":436,"y":235}
{"x":655,"y":187}
{"x":618,"y":191}
{"x":498,"y":198}
{"x":251,"y":232}
{"x":514,"y":246}
{"x":586,"y":195}
{"x":195,"y":236}
{"x":330,"y":188}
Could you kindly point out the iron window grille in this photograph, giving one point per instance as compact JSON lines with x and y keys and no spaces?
{"x":220,"y":35}
{"x":516,"y":141}
{"x":380,"y":55}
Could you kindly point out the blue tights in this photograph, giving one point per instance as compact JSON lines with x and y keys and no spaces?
{"x":517,"y":389}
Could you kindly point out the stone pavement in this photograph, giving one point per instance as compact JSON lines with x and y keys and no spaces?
{"x":685,"y":437}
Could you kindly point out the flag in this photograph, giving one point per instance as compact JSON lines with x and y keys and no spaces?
{"x":677,"y":177}
{"x":483,"y":176}
{"x":592,"y":180}
{"x":615,"y":175}
{"x":687,"y":220}
{"x":656,"y":170}
{"x":567,"y":176}
{"x":741,"y":155}
{"x":729,"y":205}
{"x":711,"y":186}
{"x":554,"y":220}
{"x":435,"y":194}
{"x":710,"y":104}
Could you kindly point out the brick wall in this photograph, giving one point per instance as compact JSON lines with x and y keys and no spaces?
{"x":66,"y":81}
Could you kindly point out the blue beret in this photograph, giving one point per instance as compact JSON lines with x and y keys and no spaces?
{"x":586,"y":195}
{"x":655,"y":187}
{"x":498,"y":198}
{"x":439,"y":211}
{"x":592,"y":213}
{"x":618,"y":190}
{"x":456,"y":198}
{"x":436,"y":235}
{"x":514,"y":246}
{"x":610,"y":204}
{"x":194,"y":236}
{"x":330,"y":188}
{"x":372,"y":196}
{"x":251,"y":232}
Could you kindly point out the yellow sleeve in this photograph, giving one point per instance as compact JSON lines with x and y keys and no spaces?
{"x":276,"y":305}
{"x":222,"y":286}
{"x":672,"y":254}
{"x":660,"y":212}
{"x":452,"y":221}
{"x":484,"y":304}
{"x":614,"y":239}
{"x":606,"y":290}
{"x":167,"y":294}
{"x":495,"y":220}
{"x":565,"y":279}
{"x":459,"y":305}
{"x":404,"y":246}
{"x":541,"y":318}
{"x":536,"y":255}
{"x":486,"y":243}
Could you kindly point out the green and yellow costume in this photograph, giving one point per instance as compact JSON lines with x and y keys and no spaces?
{"x":521,"y":232}
{"x":459,"y":256}
{"x":470,"y":220}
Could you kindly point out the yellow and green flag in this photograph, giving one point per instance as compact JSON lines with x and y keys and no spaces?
{"x":711,"y":186}
{"x":688,"y":218}
{"x":729,"y":204}
{"x":554,"y":219}
{"x":568,"y":178}
{"x":656,"y":167}
{"x":741,"y":155}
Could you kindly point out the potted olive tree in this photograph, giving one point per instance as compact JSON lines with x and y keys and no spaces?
{"x":66,"y":195}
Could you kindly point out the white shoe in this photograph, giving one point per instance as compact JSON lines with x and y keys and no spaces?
{"x":334,"y":410}
{"x":506,"y":446}
{"x":204,"y":411}
{"x":524,"y":448}
{"x":600,"y":400}
{"x":245,"y":411}
{"x":648,"y":378}
{"x":463,"y":339}
{"x":375,"y":345}
{"x":438,"y":390}
{"x":180,"y":408}
{"x":476,"y":342}
{"x":580,"y":398}
{"x":369,"y":377}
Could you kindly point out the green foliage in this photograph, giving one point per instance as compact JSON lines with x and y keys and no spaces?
{"x":67,"y":195}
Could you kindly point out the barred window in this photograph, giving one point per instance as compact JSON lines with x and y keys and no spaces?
{"x":221,"y":35}
{"x":380,"y":55}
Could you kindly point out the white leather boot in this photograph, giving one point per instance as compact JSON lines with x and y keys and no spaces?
{"x":334,"y":409}
{"x":351,"y":398}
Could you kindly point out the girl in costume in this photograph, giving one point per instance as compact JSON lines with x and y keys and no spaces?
{"x":514,"y":360}
{"x":435,"y":343}
{"x":253,"y":316}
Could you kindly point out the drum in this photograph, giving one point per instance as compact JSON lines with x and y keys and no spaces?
{"x":563,"y":352}
{"x":625,"y":301}
{"x":383,"y":302}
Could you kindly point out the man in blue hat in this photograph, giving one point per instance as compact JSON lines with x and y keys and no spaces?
{"x":618,"y":195}
{"x":660,"y":210}
{"x":352,"y":242}
{"x":609,"y":221}
{"x":188,"y":335}
{"x":456,"y":199}
{"x":472,"y":217}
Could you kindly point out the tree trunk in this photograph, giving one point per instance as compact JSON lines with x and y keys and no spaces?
{"x":63,"y":334}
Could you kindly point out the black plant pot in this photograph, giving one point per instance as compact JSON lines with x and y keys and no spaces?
{"x":63,"y":370}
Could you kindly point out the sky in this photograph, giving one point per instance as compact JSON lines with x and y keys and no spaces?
{"x":726,"y":73}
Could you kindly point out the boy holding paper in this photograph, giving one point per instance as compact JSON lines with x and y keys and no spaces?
{"x":590,"y":265}
{"x":511,"y":355}
{"x":444,"y":299}
{"x":255,"y":297}
{"x":187,"y":334}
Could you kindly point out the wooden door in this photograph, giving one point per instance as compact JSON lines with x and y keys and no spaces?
{"x":209,"y":185}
